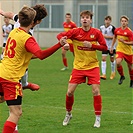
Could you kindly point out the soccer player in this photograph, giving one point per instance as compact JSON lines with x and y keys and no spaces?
{"x":68,"y":24}
{"x":86,"y":40}
{"x":18,"y":52}
{"x":6,"y":28}
{"x":108,"y":31}
{"x":40,"y":14}
{"x":124,"y":37}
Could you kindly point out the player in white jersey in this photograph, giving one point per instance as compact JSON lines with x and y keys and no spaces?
{"x":108,"y":31}
{"x":6,"y":29}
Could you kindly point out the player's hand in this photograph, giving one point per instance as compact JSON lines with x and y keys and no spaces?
{"x":63,"y":41}
{"x":66,"y":46}
{"x":1,"y":12}
{"x":87,"y":44}
{"x":121,"y":40}
{"x":111,"y":50}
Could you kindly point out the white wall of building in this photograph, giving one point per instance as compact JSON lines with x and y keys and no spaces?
{"x":48,"y":38}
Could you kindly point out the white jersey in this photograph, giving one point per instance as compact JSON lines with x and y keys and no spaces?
{"x":109,"y":31}
{"x":6,"y":28}
{"x":17,"y":24}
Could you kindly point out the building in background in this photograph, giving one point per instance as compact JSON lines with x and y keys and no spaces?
{"x":46,"y":32}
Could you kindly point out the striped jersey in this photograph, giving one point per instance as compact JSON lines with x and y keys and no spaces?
{"x":85,"y":58}
{"x":126,"y":35}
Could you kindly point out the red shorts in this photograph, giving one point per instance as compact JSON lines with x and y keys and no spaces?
{"x":79,"y":76}
{"x":70,"y":47}
{"x":11,"y":90}
{"x":127,"y":58}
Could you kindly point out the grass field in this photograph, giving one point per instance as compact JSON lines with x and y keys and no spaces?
{"x":44,"y":110}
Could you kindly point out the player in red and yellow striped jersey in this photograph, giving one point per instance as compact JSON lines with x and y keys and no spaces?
{"x":19,"y":50}
{"x":86,"y":40}
{"x":68,"y":25}
{"x":124,"y":36}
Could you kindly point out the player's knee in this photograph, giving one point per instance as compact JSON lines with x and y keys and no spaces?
{"x":1,"y":99}
{"x":18,"y":113}
{"x":70,"y":93}
{"x":96,"y":91}
{"x":103,"y":59}
{"x":63,"y":55}
{"x":112,"y":59}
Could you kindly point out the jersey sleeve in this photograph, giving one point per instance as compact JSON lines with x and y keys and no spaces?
{"x":102,"y":44}
{"x":74,"y":25}
{"x":131,"y":36}
{"x":113,"y":29}
{"x":15,"y":17}
{"x":33,"y":47}
{"x":3,"y":29}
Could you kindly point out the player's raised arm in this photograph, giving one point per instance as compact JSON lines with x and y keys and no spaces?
{"x":7,"y":14}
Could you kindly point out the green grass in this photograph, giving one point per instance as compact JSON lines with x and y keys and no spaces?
{"x":44,"y":110}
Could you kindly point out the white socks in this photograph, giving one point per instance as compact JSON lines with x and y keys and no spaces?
{"x":113,"y":66}
{"x":103,"y":66}
{"x":24,"y":79}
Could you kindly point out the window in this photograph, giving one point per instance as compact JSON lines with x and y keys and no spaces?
{"x":55,"y":17}
{"x":102,"y":12}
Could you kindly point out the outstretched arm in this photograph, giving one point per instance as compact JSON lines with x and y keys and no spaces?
{"x":7,"y":14}
{"x":32,"y":46}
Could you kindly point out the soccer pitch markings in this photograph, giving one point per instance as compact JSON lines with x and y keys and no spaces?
{"x":61,"y":108}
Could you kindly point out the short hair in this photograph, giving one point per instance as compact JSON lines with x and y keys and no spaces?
{"x":86,"y":12}
{"x":68,"y":14}
{"x":124,"y":16}
{"x":26,"y":16}
{"x":107,"y":17}
{"x":41,"y":12}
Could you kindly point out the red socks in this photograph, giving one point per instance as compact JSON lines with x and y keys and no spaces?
{"x":131,"y":74}
{"x":9,"y":127}
{"x":69,"y":102}
{"x":65,"y":62}
{"x":97,"y":104}
{"x":120,"y":70}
